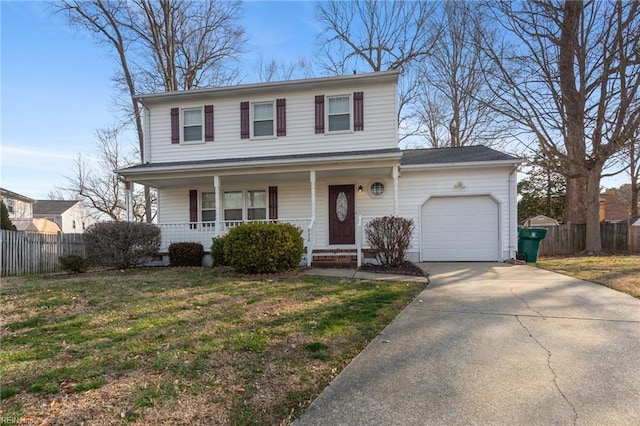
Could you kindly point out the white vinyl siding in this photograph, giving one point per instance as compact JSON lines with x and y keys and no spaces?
{"x":380,"y":128}
{"x":416,"y":187}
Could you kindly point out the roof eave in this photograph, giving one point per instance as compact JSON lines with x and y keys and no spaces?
{"x":259,"y":163}
{"x":258,"y":87}
{"x":515,"y":161}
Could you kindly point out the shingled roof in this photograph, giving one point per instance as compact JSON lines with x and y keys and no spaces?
{"x":463,"y":154}
{"x":53,"y":206}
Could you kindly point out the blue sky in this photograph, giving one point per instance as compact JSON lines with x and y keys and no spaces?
{"x":56,"y":84}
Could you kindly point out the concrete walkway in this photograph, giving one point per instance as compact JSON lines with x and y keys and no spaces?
{"x":496,"y":344}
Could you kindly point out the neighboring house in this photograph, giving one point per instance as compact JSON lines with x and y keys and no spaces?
{"x":540,"y":220}
{"x":18,"y":206}
{"x":322,"y":154}
{"x":71,"y":215}
{"x":612,"y":208}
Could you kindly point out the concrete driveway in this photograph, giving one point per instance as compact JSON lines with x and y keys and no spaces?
{"x":496,"y":344}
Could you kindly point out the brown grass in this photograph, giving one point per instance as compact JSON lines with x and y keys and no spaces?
{"x":619,"y":272}
{"x":181,"y":346}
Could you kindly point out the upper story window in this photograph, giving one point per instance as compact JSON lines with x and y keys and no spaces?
{"x":263,"y":119}
{"x":192,"y":125}
{"x":10,"y":206}
{"x":208,"y":211}
{"x":338,"y":114}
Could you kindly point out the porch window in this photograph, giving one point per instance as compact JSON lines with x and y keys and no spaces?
{"x":256,"y":205}
{"x":208,"y":210}
{"x":263,"y":119}
{"x":233,"y":205}
{"x":339,"y":117}
{"x":192,"y":125}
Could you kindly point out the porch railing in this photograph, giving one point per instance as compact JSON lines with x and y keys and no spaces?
{"x":361,"y":237}
{"x":204,"y":232}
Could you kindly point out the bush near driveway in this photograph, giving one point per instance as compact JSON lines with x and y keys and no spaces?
{"x":390,"y":238}
{"x":181,"y":346}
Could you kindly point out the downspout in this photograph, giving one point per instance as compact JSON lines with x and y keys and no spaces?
{"x":512,"y":189}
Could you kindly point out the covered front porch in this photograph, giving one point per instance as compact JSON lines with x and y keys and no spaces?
{"x":329,"y":199}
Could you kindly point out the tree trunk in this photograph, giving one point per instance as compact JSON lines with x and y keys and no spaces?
{"x":593,"y":240}
{"x":576,"y":201}
{"x":634,"y":178}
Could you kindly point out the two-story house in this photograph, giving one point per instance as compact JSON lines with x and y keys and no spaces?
{"x":18,"y":205}
{"x":323,"y":154}
{"x":71,"y":215}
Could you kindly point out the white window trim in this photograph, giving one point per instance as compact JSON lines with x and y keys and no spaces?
{"x":201,"y":206}
{"x":245,"y":201}
{"x":273,"y":119}
{"x":182,"y":111}
{"x":371,"y":194}
{"x":327,"y":115}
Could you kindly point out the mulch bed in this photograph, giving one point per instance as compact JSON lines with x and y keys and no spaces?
{"x":407,"y":268}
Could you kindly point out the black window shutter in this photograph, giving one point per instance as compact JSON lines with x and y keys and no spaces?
{"x":273,"y":202}
{"x":320,"y":114}
{"x":208,"y":123}
{"x":175,"y":125}
{"x":281,"y":117}
{"x":358,"y":111}
{"x":193,"y":207}
{"x":244,"y":120}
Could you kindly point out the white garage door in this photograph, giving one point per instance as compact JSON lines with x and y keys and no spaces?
{"x":460,"y":229}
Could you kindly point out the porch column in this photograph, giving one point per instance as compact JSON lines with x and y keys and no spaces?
{"x":216,"y":186}
{"x":312,"y":178}
{"x":396,"y":174}
{"x":128,"y":186}
{"x":311,"y":230}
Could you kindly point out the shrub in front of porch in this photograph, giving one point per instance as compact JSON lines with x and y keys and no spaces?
{"x":186,"y":254}
{"x":390,"y":238}
{"x":121,"y":244}
{"x":257,"y":248}
{"x":217,"y":251}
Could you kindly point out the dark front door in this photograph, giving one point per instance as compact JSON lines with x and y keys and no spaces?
{"x":342,"y":224}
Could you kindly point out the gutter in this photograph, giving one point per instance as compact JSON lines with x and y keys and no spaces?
{"x":410,"y":167}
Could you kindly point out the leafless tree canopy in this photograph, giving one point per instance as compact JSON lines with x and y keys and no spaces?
{"x":453,"y":104}
{"x":375,"y":35}
{"x":573,"y":82}
{"x":267,"y":70}
{"x":94,"y":182}
{"x":162,"y":45}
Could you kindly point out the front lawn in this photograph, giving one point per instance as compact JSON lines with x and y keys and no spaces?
{"x":181,"y":346}
{"x":618,"y":272}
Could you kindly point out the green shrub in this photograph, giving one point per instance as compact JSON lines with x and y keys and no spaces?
{"x":73,"y":263}
{"x":257,"y":248}
{"x":390,"y":238}
{"x":186,"y":254}
{"x":121,"y":244}
{"x":217,"y":251}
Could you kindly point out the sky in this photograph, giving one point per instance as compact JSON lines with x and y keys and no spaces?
{"x":56,"y":87}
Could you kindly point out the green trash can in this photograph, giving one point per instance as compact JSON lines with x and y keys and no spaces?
{"x":529,"y":242}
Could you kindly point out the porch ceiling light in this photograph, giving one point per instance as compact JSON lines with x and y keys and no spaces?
{"x":360,"y":188}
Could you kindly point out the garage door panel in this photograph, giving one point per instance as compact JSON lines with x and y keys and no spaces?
{"x":460,"y":229}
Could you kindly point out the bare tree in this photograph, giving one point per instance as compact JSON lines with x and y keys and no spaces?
{"x":373,"y":35}
{"x":453,"y":104}
{"x":95,"y":183}
{"x":573,"y":82}
{"x":164,"y":45}
{"x":268,"y":70}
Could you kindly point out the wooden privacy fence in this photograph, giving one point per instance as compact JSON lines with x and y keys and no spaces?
{"x":570,"y":239}
{"x":26,"y":253}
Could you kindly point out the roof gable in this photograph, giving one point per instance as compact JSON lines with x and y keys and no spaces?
{"x":53,"y":206}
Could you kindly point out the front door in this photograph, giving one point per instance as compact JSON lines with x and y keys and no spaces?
{"x":342,"y":224}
